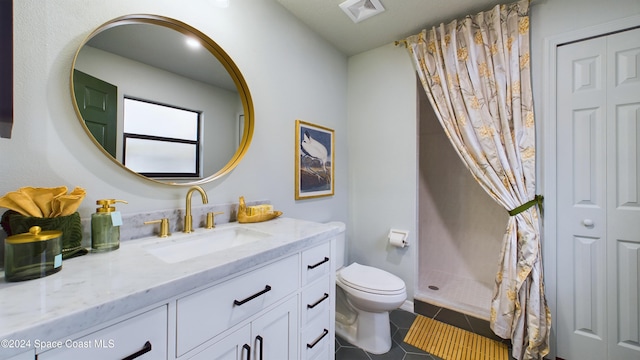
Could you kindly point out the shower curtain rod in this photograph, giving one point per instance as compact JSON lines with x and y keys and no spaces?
{"x":403,"y":42}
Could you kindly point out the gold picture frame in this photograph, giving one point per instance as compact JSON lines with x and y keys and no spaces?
{"x":314,"y":161}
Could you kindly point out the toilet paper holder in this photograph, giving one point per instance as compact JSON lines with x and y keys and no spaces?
{"x":398,"y":238}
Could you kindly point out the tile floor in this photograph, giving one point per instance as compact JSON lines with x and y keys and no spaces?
{"x":457,"y":319}
{"x":400,"y":323}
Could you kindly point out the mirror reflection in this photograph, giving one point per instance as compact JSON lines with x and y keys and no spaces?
{"x":162,"y":99}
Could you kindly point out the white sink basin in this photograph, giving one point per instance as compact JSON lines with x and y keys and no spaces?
{"x":181,"y":247}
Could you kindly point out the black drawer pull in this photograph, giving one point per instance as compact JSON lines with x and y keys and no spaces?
{"x":318,"y":264}
{"x":324,"y":333}
{"x":240,"y":302}
{"x":248,"y":348}
{"x":311,"y":306}
{"x":259,"y":338}
{"x":145,"y":349}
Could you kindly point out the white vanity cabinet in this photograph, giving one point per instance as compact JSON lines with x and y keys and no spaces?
{"x":298,"y":327}
{"x":318,"y":303}
{"x":272,"y":301}
{"x":143,"y":336}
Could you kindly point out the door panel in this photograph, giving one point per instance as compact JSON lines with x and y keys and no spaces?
{"x":598,"y":234}
{"x":623,"y":213}
{"x":627,"y":153}
{"x":588,"y":287}
{"x":581,"y":318}
{"x":628,"y":259}
{"x":97,"y":102}
{"x":587,"y":162}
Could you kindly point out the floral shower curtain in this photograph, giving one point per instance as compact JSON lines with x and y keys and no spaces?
{"x":476,"y":74}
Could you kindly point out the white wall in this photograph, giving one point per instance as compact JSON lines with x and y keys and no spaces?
{"x":382,"y":159}
{"x":291,"y":72}
{"x":382,"y":133}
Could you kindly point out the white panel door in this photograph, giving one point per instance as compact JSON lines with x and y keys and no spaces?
{"x":623,"y":184}
{"x":598,"y":119}
{"x":581,"y":161}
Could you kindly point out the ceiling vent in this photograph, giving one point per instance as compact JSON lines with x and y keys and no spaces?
{"x":358,"y":10}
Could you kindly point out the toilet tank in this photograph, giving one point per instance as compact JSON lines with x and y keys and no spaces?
{"x":341,"y":244}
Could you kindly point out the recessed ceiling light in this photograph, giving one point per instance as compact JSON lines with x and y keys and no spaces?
{"x":193,"y":43}
{"x":358,"y":10}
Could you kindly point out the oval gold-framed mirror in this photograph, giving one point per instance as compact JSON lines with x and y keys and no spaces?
{"x":163,"y":110}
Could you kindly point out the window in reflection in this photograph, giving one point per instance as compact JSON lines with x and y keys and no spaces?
{"x":161,"y":141}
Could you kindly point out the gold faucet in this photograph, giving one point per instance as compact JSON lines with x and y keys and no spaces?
{"x":188,"y":220}
{"x":164,"y":226}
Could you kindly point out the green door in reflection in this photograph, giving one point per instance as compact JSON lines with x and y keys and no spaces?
{"x":97,"y":101}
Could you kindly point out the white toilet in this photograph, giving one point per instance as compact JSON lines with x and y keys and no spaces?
{"x":364,"y":297}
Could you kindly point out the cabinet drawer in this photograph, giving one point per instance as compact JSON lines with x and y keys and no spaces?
{"x":316,"y":338}
{"x":144,"y":334}
{"x":316,"y":262}
{"x":315,"y":301}
{"x":205,"y":314}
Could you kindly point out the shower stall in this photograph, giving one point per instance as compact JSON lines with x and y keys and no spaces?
{"x":460,"y":226}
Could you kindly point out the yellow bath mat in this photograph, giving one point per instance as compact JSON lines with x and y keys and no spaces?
{"x":452,"y":343}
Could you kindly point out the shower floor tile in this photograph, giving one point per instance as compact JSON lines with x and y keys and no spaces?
{"x":448,"y":290}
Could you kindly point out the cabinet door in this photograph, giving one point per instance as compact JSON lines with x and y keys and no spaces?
{"x":235,"y":346}
{"x":275,"y":334}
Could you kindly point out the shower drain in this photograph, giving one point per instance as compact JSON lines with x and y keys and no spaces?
{"x":433,"y":287}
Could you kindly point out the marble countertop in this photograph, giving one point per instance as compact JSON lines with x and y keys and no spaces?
{"x":98,"y":287}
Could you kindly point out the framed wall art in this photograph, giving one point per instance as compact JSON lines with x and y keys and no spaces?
{"x":6,"y":68}
{"x":314,"y":160}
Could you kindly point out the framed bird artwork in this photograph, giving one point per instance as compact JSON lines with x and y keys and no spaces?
{"x":314,"y":159}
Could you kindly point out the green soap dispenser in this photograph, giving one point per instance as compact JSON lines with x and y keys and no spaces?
{"x":105,"y":226}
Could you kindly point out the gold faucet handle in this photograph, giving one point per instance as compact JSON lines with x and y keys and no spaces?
{"x":210,"y":224}
{"x":164,"y":226}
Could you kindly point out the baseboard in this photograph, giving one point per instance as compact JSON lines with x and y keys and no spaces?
{"x":407,"y":306}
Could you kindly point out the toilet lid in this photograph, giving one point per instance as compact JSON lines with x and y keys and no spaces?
{"x":370,"y":279}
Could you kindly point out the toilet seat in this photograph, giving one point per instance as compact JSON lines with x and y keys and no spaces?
{"x":371,"y":280}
